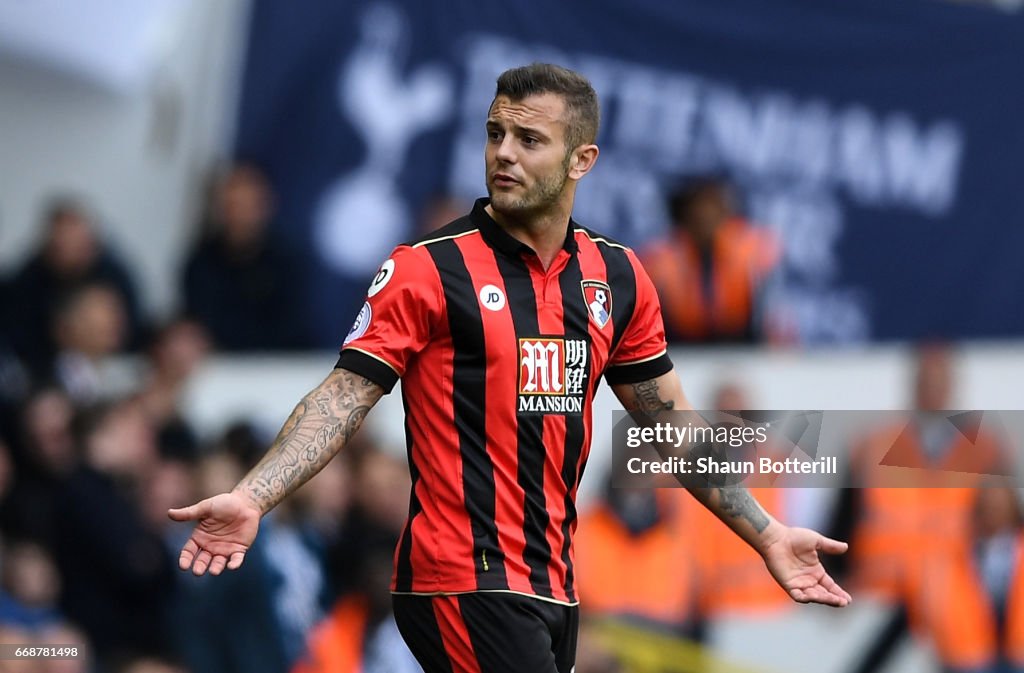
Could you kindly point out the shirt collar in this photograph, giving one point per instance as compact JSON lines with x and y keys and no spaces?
{"x":502,"y":241}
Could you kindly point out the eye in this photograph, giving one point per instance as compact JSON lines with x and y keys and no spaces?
{"x":530,"y":140}
{"x":494,"y":135}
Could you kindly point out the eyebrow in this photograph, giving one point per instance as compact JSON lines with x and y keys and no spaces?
{"x":525,"y":130}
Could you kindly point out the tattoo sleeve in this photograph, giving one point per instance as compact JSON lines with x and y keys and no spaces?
{"x":322,"y":422}
{"x":730,"y":502}
{"x":648,"y":399}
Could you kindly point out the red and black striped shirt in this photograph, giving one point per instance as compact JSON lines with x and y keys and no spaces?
{"x":499,"y":360}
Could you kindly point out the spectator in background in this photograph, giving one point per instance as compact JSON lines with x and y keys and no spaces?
{"x":44,"y":455}
{"x":295,"y":559}
{"x":30,"y":587}
{"x":238,"y":282}
{"x":382,"y":489}
{"x":14,"y":379}
{"x":633,"y":562}
{"x":117,"y":573}
{"x":711,"y":270}
{"x":380,"y":502}
{"x":905,"y":477}
{"x":730,"y":576}
{"x":223,"y":624}
{"x":175,"y":352}
{"x":360,"y":635}
{"x":89,"y":325}
{"x":69,"y":255}
{"x":325,"y":502}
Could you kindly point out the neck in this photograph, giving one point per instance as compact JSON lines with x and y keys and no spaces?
{"x":544,"y":232}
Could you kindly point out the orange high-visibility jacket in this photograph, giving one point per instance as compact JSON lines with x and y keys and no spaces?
{"x":335,"y":645}
{"x":648,"y":576}
{"x":741,"y":258}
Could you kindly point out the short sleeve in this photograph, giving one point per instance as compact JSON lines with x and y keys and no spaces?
{"x":642,"y":353}
{"x":403,"y":305}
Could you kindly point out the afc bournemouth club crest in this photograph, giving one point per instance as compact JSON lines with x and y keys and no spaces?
{"x":598,"y":298}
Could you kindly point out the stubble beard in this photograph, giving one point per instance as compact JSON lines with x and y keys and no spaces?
{"x":539,"y":198}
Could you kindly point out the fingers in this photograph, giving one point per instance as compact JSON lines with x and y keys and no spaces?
{"x":188,"y":554}
{"x":833,"y":588}
{"x":818,"y":595}
{"x":830,"y":546}
{"x":201,"y":563}
{"x":827,"y":592}
{"x":217,"y":564}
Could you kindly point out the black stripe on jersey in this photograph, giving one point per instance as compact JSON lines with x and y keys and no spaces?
{"x":622,"y":281}
{"x":522,"y":303}
{"x":469,"y":390}
{"x":403,"y":568}
{"x":576,"y":321}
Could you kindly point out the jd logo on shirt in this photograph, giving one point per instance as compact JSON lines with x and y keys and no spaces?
{"x":492,"y":297}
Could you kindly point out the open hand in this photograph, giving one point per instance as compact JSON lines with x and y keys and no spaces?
{"x":227,"y":525}
{"x":793,"y":561}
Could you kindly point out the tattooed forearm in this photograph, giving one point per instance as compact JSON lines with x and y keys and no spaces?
{"x":733,"y":502}
{"x":321,"y":423}
{"x":648,"y":402}
{"x":648,"y":399}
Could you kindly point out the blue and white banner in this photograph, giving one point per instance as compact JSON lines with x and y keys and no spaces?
{"x":882,"y":141}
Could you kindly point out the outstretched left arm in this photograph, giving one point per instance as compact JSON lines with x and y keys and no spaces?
{"x":791,"y":554}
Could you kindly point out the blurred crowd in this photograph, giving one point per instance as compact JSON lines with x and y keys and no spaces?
{"x":88,"y":555}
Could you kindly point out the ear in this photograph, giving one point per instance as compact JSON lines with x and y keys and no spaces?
{"x":582,"y":160}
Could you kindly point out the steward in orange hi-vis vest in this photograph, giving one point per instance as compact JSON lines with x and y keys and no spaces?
{"x":711,"y":295}
{"x":711,"y":267}
{"x":635,"y":561}
{"x":911,"y":543}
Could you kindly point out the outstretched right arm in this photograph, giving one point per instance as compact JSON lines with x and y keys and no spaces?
{"x":319,"y":426}
{"x":322,"y":422}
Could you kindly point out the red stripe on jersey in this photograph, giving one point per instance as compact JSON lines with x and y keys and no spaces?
{"x":501,"y":399}
{"x":442,"y":548}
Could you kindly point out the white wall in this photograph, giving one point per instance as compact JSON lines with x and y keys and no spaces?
{"x":137,"y":155}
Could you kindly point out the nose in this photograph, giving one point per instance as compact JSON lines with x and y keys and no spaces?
{"x":505,"y":151}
